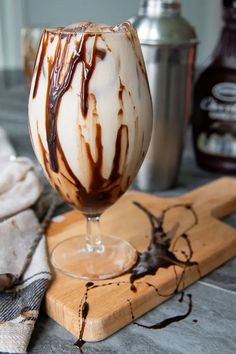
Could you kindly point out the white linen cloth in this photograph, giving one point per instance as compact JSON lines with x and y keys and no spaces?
{"x":24,"y":268}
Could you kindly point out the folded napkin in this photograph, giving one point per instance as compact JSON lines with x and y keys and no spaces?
{"x":24,"y":268}
{"x":19,"y":186}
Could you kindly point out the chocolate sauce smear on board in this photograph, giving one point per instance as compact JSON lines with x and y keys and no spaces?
{"x":158,"y":255}
{"x":83,"y":312}
{"x":84,"y":309}
{"x":167,"y":321}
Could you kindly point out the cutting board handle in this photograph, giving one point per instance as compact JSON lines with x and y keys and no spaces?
{"x":217,"y":198}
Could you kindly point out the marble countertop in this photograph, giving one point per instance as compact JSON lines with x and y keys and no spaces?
{"x":214,"y":296}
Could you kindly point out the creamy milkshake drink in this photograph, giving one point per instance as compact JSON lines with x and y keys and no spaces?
{"x":90,"y":112}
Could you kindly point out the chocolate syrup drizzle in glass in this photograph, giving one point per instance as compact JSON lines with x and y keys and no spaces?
{"x":158,"y":255}
{"x":59,"y":84}
{"x":102,"y":192}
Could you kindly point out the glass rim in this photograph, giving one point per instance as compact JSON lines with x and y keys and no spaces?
{"x":62,"y":30}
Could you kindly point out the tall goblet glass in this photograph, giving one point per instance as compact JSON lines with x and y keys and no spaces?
{"x":90,"y":119}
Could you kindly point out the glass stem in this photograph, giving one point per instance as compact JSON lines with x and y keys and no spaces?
{"x":93,"y":236}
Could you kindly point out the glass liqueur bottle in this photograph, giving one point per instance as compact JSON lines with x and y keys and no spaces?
{"x":214,"y":117}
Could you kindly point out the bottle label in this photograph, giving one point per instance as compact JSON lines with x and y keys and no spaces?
{"x":220,"y":107}
{"x":216,"y":144}
{"x":222,"y":104}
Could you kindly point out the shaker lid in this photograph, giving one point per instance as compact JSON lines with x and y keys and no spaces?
{"x":160,"y":7}
{"x":160,"y":23}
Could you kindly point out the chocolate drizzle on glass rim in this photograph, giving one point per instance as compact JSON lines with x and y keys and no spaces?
{"x":159,"y":255}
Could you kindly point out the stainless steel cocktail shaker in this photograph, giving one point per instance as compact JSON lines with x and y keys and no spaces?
{"x":169,"y":44}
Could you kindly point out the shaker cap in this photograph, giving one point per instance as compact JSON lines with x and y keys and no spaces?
{"x":160,"y":7}
{"x":160,"y":23}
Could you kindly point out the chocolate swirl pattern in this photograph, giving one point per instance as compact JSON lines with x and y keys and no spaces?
{"x":90,"y":112}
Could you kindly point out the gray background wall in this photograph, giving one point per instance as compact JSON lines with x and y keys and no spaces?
{"x":205,"y":15}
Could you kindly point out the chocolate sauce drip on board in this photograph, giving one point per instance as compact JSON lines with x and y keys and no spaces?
{"x":181,"y":297}
{"x":83,"y":312}
{"x":158,"y":255}
{"x":167,"y":321}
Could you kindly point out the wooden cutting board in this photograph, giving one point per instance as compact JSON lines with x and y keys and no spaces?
{"x":213,"y":243}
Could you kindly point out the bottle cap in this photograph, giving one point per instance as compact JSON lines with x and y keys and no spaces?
{"x":229,"y":3}
{"x":229,"y":10}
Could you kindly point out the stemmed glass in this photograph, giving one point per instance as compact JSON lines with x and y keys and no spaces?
{"x":90,"y":121}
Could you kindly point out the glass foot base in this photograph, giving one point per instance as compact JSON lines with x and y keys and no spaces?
{"x":73,"y":258}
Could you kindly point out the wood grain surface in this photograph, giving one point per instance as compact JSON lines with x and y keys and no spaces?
{"x":213,"y":243}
